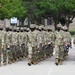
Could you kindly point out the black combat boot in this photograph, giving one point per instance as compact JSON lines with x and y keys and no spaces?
{"x":56,"y":61}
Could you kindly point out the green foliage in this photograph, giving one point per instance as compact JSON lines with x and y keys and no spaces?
{"x":12,"y":9}
{"x":35,"y":9}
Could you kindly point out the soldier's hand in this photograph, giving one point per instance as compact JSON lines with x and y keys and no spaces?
{"x":49,"y":42}
{"x":2,"y":46}
{"x":46,"y":44}
{"x":8,"y":46}
{"x":38,"y":47}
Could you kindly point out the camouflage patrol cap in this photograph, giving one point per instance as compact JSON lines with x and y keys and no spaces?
{"x":17,"y":28}
{"x":58,"y":28}
{"x":64,"y":28}
{"x":22,"y":28}
{"x":59,"y":25}
{"x":40,"y":27}
{"x":28,"y":29}
{"x":7,"y":29}
{"x":32,"y":26}
{"x":36,"y":26}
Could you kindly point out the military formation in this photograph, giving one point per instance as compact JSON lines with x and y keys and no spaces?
{"x":36,"y":43}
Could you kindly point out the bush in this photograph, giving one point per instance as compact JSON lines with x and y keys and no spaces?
{"x":72,"y":32}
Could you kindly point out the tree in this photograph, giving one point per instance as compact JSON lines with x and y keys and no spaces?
{"x":57,"y":9}
{"x":11,"y":8}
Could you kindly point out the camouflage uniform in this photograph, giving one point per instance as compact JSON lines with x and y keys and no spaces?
{"x":18,"y":45}
{"x":8,"y":45}
{"x":21,"y":44}
{"x":63,"y":33}
{"x":58,"y":47}
{"x":24,"y":45}
{"x":32,"y":46}
{"x":39,"y":44}
{"x":4,"y":50}
{"x":68,"y":37}
{"x":46,"y":43}
{"x":1,"y":46}
{"x":14,"y":45}
{"x":50,"y":41}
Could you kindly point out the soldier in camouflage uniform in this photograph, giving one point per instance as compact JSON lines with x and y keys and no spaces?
{"x":63,"y":33}
{"x":37,"y":48}
{"x":40,"y":41}
{"x":14,"y":45}
{"x":18,"y":45}
{"x":8,"y":45}
{"x":32,"y":46}
{"x":58,"y":46}
{"x":3,"y":47}
{"x":50,"y":41}
{"x":21,"y":44}
{"x":44,"y":42}
{"x":67,"y":41}
{"x":26,"y":30}
{"x":24,"y":43}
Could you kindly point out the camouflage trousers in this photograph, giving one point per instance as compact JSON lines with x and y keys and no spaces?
{"x":13,"y":52}
{"x":17,"y":51}
{"x":49,"y":50}
{"x":32,"y":54}
{"x":24,"y":50}
{"x":29,"y":54}
{"x":66,"y":50}
{"x":20,"y":51}
{"x":4,"y":56}
{"x":40,"y":51}
{"x":4,"y":51}
{"x":59,"y":52}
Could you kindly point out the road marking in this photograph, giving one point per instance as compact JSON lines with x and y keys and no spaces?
{"x":50,"y":71}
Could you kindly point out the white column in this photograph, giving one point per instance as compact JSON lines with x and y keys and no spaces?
{"x":45,"y":22}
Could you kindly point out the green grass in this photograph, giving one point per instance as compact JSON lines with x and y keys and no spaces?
{"x":72,"y":31}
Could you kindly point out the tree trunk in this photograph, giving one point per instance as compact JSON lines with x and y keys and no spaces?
{"x":37,"y":21}
{"x":67,"y":25}
{"x":55,"y":25}
{"x":28,"y":22}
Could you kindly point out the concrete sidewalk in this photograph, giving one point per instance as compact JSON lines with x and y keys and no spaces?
{"x":46,"y":67}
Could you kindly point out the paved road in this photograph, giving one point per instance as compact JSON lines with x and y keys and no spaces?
{"x":46,"y":67}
